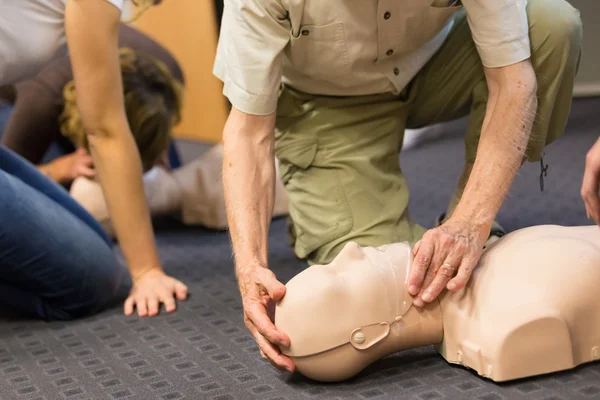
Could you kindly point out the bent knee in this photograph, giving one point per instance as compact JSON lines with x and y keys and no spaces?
{"x":556,"y":22}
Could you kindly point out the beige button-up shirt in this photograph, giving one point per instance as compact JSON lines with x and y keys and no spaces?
{"x":351,"y":47}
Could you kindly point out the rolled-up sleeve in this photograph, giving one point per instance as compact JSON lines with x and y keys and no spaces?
{"x":500,"y":30}
{"x":249,"y":54}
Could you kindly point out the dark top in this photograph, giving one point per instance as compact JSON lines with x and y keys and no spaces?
{"x":38,"y":102}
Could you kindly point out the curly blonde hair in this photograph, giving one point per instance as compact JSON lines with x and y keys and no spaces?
{"x":153,"y":102}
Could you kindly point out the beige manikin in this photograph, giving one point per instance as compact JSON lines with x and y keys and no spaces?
{"x":530,"y":308}
{"x":194,"y":191}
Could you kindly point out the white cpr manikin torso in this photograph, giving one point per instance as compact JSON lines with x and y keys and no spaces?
{"x":530,"y":308}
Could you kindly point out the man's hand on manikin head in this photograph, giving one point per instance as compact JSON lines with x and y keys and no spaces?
{"x":260,"y":291}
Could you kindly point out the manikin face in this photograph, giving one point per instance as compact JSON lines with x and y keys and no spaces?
{"x":325,"y":304}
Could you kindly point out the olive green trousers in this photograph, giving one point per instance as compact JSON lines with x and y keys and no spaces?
{"x":338,"y":156}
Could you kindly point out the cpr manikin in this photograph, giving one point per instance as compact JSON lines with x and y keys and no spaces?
{"x":531,"y":307}
{"x":193,"y":191}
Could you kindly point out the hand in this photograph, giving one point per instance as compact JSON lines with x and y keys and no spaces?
{"x":67,"y":168}
{"x":454,"y":246}
{"x":260,"y":291}
{"x":152,"y":288}
{"x":589,"y":186}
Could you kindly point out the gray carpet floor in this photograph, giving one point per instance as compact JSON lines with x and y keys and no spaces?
{"x":203,"y":351}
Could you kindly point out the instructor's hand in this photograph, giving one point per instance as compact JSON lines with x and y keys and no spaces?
{"x":445,"y":258}
{"x":590,"y":184}
{"x":260,"y":291}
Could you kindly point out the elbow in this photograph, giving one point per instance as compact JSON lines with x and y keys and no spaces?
{"x":101,"y":128}
{"x":517,"y":81}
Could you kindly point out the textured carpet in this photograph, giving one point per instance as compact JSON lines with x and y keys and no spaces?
{"x":204,"y":351}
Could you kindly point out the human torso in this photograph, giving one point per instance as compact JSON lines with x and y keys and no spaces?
{"x":31,"y":34}
{"x":342,"y":47}
{"x":531,"y":306}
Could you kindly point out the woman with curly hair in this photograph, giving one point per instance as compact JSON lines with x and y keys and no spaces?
{"x":45,"y":126}
{"x":57,"y":261}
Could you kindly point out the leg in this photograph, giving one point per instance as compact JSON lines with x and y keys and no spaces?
{"x":53,"y":265}
{"x":453,"y":81}
{"x":5,"y":111}
{"x":174,"y":159}
{"x":338,"y":160}
{"x":19,"y":168}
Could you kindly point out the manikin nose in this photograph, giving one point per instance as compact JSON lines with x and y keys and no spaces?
{"x":354,"y":249}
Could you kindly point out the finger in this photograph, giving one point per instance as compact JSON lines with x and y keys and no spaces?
{"x":86,"y":171}
{"x":274,"y":355}
{"x":274,"y":288}
{"x":142,"y":308}
{"x":589,"y":193}
{"x":81,"y":151}
{"x":416,"y":247}
{"x":465,"y":270}
{"x":86,"y":160}
{"x":128,"y":306}
{"x":440,"y":253}
{"x":152,"y":306}
{"x":257,"y":315}
{"x":181,"y":290}
{"x":444,"y":273}
{"x":420,"y":266}
{"x":453,"y":260}
{"x":169,"y":301}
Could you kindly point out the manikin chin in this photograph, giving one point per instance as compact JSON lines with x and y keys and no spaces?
{"x":530,"y":308}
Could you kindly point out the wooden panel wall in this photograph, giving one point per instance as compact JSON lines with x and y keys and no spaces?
{"x":188,"y":29}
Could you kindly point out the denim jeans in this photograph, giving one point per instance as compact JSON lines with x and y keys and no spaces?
{"x":56,"y":261}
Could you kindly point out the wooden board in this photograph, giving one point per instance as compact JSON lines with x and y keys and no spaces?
{"x":188,"y":29}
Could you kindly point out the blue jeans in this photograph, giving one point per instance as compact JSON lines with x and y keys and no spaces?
{"x":56,"y":261}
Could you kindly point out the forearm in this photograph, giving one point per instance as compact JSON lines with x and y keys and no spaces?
{"x":249,"y":185}
{"x":118,"y":165}
{"x":503,"y":142}
{"x":48,"y":170}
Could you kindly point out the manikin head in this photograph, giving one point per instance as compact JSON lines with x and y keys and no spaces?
{"x":343,"y":316}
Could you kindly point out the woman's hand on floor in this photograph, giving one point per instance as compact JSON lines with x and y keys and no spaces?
{"x":590,"y":184}
{"x":150,"y":290}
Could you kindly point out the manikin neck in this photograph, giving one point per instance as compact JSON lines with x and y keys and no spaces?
{"x":417,"y":328}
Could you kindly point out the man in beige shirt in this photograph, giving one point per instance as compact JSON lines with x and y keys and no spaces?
{"x":328,"y":87}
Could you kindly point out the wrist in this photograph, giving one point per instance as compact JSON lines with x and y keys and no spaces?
{"x":47,"y":170}
{"x":138,"y":272}
{"x":480,"y":218}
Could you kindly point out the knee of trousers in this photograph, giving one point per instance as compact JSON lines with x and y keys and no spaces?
{"x":555,"y":32}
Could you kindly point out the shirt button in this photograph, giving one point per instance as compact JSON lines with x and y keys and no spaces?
{"x":387,"y":15}
{"x":389,"y":52}
{"x":396,"y":71}
{"x":305,"y":32}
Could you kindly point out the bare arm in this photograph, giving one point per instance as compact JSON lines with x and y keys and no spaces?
{"x":92,"y":31}
{"x":249,"y":184}
{"x":458,"y":243}
{"x":92,"y":28}
{"x":511,"y":108}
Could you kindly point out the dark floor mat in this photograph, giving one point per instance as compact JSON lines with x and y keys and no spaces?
{"x":204,"y":351}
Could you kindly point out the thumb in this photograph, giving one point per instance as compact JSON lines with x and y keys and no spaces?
{"x":275,"y":288}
